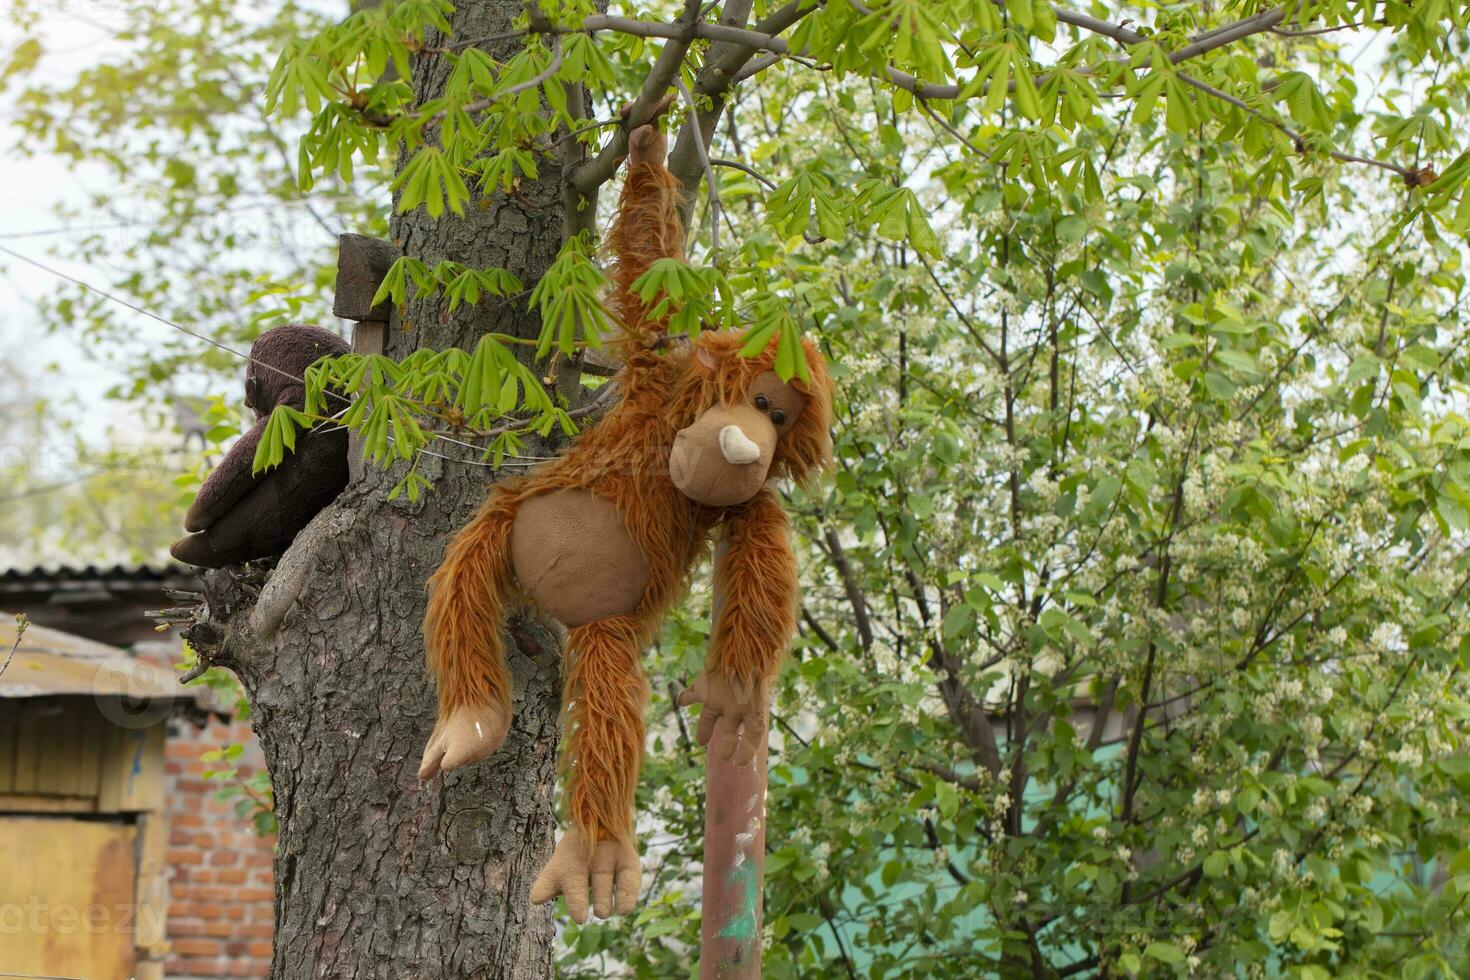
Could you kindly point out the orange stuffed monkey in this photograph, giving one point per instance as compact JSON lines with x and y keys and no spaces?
{"x":604,"y":539}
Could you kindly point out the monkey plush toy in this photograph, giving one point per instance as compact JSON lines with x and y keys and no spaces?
{"x":239,"y":516}
{"x":604,"y":538}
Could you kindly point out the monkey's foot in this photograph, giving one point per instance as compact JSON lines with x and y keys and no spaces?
{"x":610,"y":869}
{"x":469,"y":734}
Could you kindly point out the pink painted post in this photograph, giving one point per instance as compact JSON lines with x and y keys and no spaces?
{"x":734,"y":858}
{"x":734,"y":868}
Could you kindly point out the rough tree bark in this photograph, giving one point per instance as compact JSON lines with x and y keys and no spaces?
{"x":375,"y":874}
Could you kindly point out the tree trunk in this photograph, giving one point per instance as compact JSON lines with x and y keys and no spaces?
{"x":377,"y":875}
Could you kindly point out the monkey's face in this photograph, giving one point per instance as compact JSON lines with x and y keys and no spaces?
{"x":724,"y":457}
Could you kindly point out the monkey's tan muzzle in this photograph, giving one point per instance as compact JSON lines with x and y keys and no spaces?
{"x":724,"y":457}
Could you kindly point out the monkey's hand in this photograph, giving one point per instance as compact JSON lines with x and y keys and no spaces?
{"x":610,"y":867}
{"x":469,"y":734}
{"x":647,"y":143}
{"x":734,"y":714}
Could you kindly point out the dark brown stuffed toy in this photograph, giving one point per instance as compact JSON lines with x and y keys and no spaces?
{"x":239,"y":516}
{"x":604,"y":539}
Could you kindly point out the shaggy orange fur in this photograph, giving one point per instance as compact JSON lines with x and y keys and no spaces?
{"x":625,"y":459}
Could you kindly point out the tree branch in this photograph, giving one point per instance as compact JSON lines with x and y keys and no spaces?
{"x":1259,"y":23}
{"x":21,"y":625}
{"x":593,"y":174}
{"x":965,"y":710}
{"x":1198,"y":45}
{"x":1286,"y":130}
{"x":850,"y":586}
{"x":721,"y":69}
{"x":817,"y":628}
{"x":770,"y":185}
{"x":702,"y":145}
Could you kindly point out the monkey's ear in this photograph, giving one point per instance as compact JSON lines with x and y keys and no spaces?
{"x":706,"y":358}
{"x":809,"y":443}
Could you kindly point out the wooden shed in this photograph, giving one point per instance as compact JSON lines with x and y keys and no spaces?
{"x":83,"y":832}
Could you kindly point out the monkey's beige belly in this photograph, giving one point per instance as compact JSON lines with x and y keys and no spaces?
{"x":573,"y":555}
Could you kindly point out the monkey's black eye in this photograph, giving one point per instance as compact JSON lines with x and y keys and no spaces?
{"x":762,"y":402}
{"x":778,"y":417}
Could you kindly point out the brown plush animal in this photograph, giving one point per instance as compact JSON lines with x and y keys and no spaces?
{"x":238,"y":516}
{"x":604,"y":539}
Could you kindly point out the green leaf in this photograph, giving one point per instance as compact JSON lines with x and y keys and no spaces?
{"x":790,"y":358}
{"x":569,"y":297}
{"x":758,"y":339}
{"x":278,"y":437}
{"x":1147,"y":95}
{"x":1164,"y":953}
{"x":921,"y":235}
{"x":946,"y":800}
{"x":957,"y":622}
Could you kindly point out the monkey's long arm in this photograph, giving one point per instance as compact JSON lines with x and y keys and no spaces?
{"x":755,"y":589}
{"x":226,"y":484}
{"x":645,"y":229}
{"x":232,"y":479}
{"x":755,"y":617}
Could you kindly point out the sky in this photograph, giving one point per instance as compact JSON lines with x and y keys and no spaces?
{"x":31,"y":189}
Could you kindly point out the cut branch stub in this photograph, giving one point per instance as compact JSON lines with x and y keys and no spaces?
{"x":212,"y":631}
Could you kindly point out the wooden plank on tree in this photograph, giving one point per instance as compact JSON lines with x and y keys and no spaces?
{"x":367,"y":338}
{"x":362,"y":263}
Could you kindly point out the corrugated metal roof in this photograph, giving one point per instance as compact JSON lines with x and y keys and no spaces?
{"x":50,"y":663}
{"x":41,"y":574}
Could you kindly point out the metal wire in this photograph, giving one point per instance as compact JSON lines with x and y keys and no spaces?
{"x":521,"y":460}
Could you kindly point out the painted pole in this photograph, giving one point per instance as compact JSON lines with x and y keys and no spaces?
{"x":734,"y":868}
{"x":734,"y":859}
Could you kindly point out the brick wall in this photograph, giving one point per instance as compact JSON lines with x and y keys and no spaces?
{"x":220,"y":914}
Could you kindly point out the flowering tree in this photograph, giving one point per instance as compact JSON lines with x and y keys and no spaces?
{"x":1134,"y":613}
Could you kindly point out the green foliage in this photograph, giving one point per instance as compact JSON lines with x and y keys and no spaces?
{"x":569,"y":297}
{"x":458,"y":283}
{"x":249,"y":790}
{"x":691,"y":298}
{"x":278,"y":438}
{"x":432,"y":180}
{"x":66,"y":494}
{"x":250,"y":793}
{"x":806,"y":199}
